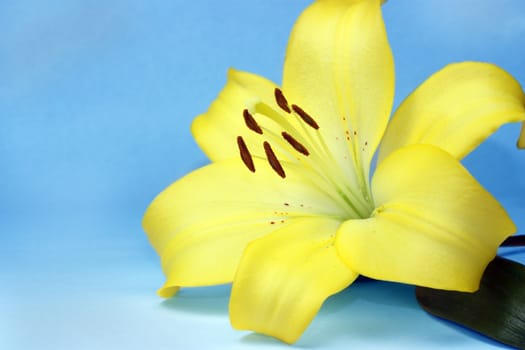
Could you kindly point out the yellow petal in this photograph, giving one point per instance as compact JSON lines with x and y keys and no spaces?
{"x":434,"y":225}
{"x":456,"y":109}
{"x":284,"y":278}
{"x":521,"y":141}
{"x":339,"y":68}
{"x":201,"y":224}
{"x":216,"y":130}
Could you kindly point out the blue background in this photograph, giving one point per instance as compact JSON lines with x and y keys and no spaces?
{"x":96,"y":99}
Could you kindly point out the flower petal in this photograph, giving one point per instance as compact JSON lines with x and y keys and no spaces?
{"x":456,"y":109}
{"x":216,"y":130}
{"x":201,"y":224}
{"x":284,"y":278}
{"x":339,"y":68}
{"x":434,"y":225}
{"x":521,"y":140}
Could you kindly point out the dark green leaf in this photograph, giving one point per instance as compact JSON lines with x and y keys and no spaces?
{"x":514,"y":241}
{"x":496,"y":310}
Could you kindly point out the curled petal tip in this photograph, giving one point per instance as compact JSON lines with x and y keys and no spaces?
{"x":167,"y":291}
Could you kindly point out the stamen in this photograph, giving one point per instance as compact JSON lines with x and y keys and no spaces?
{"x":272,"y":159}
{"x":295,"y":144}
{"x":245,"y":154}
{"x":251,"y":123}
{"x":305,"y":117}
{"x":281,"y":100}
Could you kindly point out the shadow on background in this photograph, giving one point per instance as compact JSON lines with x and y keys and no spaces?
{"x":204,"y":300}
{"x":366,"y":312}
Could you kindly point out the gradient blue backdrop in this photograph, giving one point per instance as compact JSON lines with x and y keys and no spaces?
{"x":96,"y":100}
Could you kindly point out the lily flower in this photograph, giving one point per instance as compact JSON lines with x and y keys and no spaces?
{"x":288,"y":210}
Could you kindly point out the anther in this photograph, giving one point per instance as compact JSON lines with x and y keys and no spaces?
{"x":281,"y":100}
{"x":295,"y":144}
{"x":305,"y":117}
{"x":272,"y":159}
{"x":251,"y":123}
{"x":245,"y":154}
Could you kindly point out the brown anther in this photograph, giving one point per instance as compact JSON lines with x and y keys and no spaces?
{"x":245,"y":154}
{"x":305,"y":117}
{"x":281,"y":100}
{"x":250,"y":122}
{"x":272,"y":159}
{"x":295,"y":144}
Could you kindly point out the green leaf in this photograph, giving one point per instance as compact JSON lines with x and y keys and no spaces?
{"x":496,"y":310}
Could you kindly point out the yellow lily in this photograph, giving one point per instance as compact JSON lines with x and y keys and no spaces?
{"x":287,"y":210}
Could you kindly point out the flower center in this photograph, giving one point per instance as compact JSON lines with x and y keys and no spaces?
{"x":300,"y":143}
